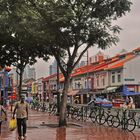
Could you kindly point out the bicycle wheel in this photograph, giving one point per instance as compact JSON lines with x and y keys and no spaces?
{"x":85,"y":116}
{"x":131,"y":124}
{"x":79,"y":115}
{"x":74,"y":114}
{"x":93,"y":116}
{"x":54,"y":110}
{"x":115,"y":121}
{"x":100,"y":119}
{"x":67,"y":114}
{"x":109,"y":120}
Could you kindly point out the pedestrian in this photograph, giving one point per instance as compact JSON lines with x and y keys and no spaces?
{"x":76,"y":100}
{"x":131,"y":103}
{"x":21,"y":110}
{"x":127,"y":101}
{"x":3,"y":115}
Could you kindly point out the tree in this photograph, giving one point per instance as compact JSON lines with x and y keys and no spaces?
{"x":65,"y":27}
{"x":18,"y":47}
{"x":19,"y":55}
{"x":5,"y":55}
{"x":77,"y":24}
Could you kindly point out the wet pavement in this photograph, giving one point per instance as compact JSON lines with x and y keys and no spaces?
{"x":41,"y":126}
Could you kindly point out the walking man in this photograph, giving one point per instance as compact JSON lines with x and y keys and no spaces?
{"x":21,"y":110}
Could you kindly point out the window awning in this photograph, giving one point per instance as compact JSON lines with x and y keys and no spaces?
{"x":85,"y":91}
{"x":110,"y":89}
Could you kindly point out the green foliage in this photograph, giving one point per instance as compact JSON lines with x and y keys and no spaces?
{"x":66,"y":25}
{"x":61,"y":27}
{"x":18,"y":45}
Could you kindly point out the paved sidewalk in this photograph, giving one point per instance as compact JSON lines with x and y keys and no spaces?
{"x":41,"y":126}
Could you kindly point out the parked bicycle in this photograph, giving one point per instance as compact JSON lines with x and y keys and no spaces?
{"x":125,"y":121}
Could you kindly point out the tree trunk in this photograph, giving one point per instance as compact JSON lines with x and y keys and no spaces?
{"x":20,"y":83}
{"x":62,"y":119}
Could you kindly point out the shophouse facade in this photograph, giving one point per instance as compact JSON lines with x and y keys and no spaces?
{"x":106,"y":76}
{"x":39,"y":82}
{"x":34,"y":88}
{"x":49,"y":87}
{"x":6,"y":85}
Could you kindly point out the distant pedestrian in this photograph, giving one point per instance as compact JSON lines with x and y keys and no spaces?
{"x":76,"y":100}
{"x":3,"y":115}
{"x":21,"y":110}
{"x":127,"y":101}
{"x":131,"y":103}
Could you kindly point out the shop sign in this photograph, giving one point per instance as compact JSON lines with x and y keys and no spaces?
{"x":129,"y":79}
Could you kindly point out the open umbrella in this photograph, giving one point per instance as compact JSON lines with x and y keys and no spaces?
{"x":29,"y":99}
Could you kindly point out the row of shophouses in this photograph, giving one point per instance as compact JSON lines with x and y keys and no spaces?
{"x":112,"y":77}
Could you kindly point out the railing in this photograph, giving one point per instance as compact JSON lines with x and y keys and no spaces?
{"x":127,"y":119}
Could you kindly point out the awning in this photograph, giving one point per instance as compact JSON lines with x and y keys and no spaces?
{"x":84,"y":91}
{"x":126,"y":92}
{"x":110,"y":89}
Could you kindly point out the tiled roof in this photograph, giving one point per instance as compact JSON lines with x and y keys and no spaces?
{"x":137,"y":49}
{"x":121,"y":63}
{"x":49,"y":77}
{"x":81,"y":70}
{"x":107,"y":64}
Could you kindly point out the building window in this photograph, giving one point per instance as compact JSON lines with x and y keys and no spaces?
{"x":75,"y":86}
{"x":113,"y":78}
{"x":44,"y":84}
{"x":85,"y":84}
{"x":119,"y":77}
{"x":103,"y":80}
{"x":97,"y":81}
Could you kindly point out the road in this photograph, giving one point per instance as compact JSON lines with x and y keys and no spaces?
{"x":41,"y":126}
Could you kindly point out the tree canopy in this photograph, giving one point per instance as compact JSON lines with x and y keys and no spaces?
{"x":62,"y":28}
{"x":17,"y":46}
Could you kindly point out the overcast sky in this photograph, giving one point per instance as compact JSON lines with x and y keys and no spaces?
{"x":129,"y":38}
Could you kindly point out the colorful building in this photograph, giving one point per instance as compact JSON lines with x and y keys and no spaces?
{"x":6,"y":85}
{"x":113,"y":77}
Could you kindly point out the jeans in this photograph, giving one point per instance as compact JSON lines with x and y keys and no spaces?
{"x":21,"y":126}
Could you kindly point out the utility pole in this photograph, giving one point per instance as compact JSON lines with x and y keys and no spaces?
{"x":87,"y":77}
{"x":58,"y":94}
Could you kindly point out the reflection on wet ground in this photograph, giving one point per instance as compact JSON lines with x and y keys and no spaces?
{"x":44,"y":127}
